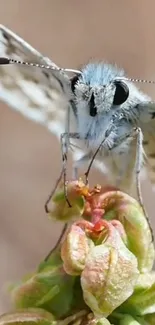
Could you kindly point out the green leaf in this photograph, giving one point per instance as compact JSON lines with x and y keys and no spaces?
{"x":129,"y":320}
{"x":51,"y":289}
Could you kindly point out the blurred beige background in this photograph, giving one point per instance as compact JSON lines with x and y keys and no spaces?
{"x":70,"y":32}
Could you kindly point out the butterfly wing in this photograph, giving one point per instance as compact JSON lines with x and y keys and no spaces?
{"x":39,"y":94}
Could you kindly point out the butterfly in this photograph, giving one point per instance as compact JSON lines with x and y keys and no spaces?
{"x":97,"y":106}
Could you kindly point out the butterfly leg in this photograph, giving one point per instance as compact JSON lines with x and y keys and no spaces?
{"x":127,"y":154}
{"x":65,"y":137}
{"x":133,"y":161}
{"x":138,"y":165}
{"x":80,"y":162}
{"x":53,"y":191}
{"x":93,"y":156}
{"x":64,"y":229}
{"x":131,"y":150}
{"x":64,"y":151}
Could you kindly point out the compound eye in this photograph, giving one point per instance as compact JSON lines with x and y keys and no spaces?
{"x":121,"y":93}
{"x":74,"y":81}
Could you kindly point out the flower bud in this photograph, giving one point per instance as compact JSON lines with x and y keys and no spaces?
{"x":110,"y":274}
{"x":75,"y":249}
{"x":60,"y":209}
{"x":121,"y":206}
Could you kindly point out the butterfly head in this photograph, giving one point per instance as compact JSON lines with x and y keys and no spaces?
{"x":100,"y":93}
{"x":104,"y":96}
{"x":97,"y":89}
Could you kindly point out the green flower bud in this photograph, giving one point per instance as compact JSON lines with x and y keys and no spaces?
{"x":121,"y":206}
{"x":60,"y":210}
{"x":109,"y":276}
{"x":75,"y":249}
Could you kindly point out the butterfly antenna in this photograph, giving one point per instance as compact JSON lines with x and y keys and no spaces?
{"x":139,"y":80}
{"x":142,"y":81}
{"x":4,"y":61}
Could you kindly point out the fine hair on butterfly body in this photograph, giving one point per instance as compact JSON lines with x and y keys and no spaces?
{"x":113,"y":121}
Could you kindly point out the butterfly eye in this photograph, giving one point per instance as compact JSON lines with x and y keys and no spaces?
{"x":121,"y":93}
{"x":74,"y":81}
